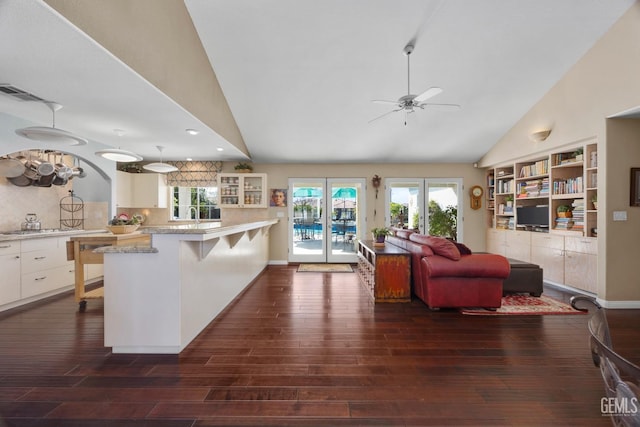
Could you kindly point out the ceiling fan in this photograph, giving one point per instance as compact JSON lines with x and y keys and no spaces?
{"x":409,"y":102}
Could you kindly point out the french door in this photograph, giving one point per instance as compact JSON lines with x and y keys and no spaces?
{"x":432,"y":205}
{"x":326,"y":216}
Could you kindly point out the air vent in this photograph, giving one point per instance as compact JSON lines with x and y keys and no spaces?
{"x":17,"y":93}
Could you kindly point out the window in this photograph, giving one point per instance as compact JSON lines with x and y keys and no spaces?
{"x":186,"y":201}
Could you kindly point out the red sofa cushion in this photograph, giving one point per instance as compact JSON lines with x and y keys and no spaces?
{"x":476,"y":265}
{"x":439,"y":245}
{"x":404,"y":234}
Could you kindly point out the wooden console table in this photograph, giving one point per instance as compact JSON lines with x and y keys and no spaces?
{"x":385,"y":271}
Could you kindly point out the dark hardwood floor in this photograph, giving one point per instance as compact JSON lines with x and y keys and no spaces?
{"x":309,"y":349}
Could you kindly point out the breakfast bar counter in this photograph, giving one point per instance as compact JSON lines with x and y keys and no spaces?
{"x":159,"y":298}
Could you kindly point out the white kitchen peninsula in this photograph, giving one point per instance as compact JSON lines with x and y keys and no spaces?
{"x":158,"y":299}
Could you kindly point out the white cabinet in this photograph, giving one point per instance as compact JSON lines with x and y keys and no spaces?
{"x":518,"y":245}
{"x":547,"y":251}
{"x":496,"y":241}
{"x":581,"y":263}
{"x":123,"y":189}
{"x":242,"y":190}
{"x":10,"y":268}
{"x":44,"y":266}
{"x":141,"y":190}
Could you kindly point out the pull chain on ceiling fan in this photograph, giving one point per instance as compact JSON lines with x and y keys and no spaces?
{"x":408,"y":103}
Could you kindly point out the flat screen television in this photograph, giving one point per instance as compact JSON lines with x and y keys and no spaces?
{"x":533,"y":216}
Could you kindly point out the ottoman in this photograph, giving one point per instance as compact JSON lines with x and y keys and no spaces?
{"x":523,"y":278}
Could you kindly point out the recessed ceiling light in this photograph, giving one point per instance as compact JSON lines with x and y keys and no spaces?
{"x":220,"y":149}
{"x":192,"y":131}
{"x":189,"y":159}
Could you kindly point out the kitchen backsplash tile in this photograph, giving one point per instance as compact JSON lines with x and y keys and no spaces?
{"x":17,"y":202}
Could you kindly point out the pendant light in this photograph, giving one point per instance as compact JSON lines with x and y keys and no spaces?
{"x":119,"y":155}
{"x":160,"y":167}
{"x":51,"y":134}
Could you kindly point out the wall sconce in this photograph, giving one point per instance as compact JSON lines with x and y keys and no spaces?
{"x":540,"y":135}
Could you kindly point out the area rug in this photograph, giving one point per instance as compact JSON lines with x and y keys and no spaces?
{"x":514,"y":305}
{"x":325,"y":268}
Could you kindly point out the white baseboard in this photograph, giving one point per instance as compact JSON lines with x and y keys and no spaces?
{"x":278,"y":262}
{"x":604,"y":303}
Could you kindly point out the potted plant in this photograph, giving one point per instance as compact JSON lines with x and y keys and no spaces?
{"x":243,"y":167}
{"x":379,"y":235}
{"x":564,"y":211}
{"x":578,"y":154}
{"x":509,"y":200}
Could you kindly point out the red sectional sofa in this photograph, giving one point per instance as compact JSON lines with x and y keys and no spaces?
{"x":442,"y":276}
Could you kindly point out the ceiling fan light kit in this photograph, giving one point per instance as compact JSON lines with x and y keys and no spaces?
{"x":160,"y":167}
{"x":409,"y":102}
{"x":51,"y":134}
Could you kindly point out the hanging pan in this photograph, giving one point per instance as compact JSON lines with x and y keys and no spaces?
{"x":11,"y":168}
{"x":21,"y":181}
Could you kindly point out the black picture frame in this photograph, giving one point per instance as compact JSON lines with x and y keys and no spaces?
{"x":634,"y":197}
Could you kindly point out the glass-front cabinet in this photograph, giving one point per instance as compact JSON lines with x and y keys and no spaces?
{"x":242,"y":190}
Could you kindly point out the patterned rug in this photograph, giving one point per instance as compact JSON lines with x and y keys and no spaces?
{"x":325,"y":268}
{"x":525,"y":305}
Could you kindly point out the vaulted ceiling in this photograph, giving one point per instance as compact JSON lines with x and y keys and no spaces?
{"x":299,"y":76}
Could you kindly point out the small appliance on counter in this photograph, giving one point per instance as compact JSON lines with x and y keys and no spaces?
{"x":32,"y":223}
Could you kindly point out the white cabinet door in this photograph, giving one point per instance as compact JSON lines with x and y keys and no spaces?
{"x":10,"y":283}
{"x":547,"y":251}
{"x":123,"y":189}
{"x":149,"y":190}
{"x":141,"y":190}
{"x":518,"y":245}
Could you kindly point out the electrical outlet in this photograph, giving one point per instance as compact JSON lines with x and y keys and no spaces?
{"x":619,"y":215}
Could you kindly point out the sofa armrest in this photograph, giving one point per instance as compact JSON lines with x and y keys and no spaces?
{"x":474,"y":265}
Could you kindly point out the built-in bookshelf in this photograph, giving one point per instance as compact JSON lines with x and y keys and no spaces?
{"x":529,"y":193}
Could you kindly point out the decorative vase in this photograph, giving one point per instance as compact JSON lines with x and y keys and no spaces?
{"x":243,"y":170}
{"x":565,"y":215}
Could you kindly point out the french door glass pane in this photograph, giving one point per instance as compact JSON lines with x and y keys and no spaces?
{"x":443,"y":208}
{"x":308,"y":229}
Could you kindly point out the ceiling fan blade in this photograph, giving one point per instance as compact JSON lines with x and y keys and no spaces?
{"x":385,"y":114}
{"x":441,"y":107}
{"x":429,"y":93}
{"x":383,"y":101}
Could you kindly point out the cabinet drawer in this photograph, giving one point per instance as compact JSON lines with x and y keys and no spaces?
{"x":9,"y":247}
{"x":43,"y":260}
{"x":585,"y":245}
{"x":30,"y":245}
{"x":546,"y":240}
{"x":45,"y":281}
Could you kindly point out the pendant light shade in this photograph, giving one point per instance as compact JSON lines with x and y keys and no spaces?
{"x":118,"y":155}
{"x":51,"y":134}
{"x":160,"y":167}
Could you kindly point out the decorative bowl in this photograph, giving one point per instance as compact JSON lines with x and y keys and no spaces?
{"x":123,"y":229}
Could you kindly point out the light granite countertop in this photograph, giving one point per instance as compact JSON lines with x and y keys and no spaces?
{"x":192,"y":232}
{"x":15,"y":235}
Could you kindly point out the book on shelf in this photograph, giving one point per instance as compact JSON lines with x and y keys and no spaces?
{"x":568,"y":186}
{"x":540,"y":167}
{"x":564,"y":223}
